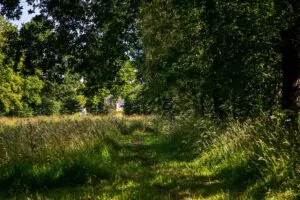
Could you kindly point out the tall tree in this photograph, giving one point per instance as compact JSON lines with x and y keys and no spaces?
{"x":19,"y":94}
{"x":290,"y":50}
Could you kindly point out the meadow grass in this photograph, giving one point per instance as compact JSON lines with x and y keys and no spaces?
{"x":145,"y":157}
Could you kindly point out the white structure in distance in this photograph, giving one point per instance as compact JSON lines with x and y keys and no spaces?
{"x":113,"y":104}
{"x":83,"y":112}
{"x":120,"y":104}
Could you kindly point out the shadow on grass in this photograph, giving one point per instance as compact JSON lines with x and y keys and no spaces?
{"x":161,"y":173}
{"x":156,"y":172}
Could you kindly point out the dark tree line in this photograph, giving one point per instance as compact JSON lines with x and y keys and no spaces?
{"x":220,"y":58}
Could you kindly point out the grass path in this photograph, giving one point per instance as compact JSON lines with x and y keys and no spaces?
{"x":147,"y":166}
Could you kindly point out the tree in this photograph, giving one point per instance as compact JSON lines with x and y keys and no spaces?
{"x":65,"y":96}
{"x":226,"y":59}
{"x":19,"y":95}
{"x":233,"y":62}
{"x":290,"y":50}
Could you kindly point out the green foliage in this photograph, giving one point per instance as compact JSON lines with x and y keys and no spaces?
{"x":95,"y":104}
{"x":97,"y":50}
{"x":38,"y":43}
{"x":18,"y":95}
{"x":133,"y":104}
{"x":10,"y":91}
{"x":32,"y":87}
{"x":74,"y":104}
{"x":125,"y":81}
{"x":221,"y":59}
{"x":124,"y":85}
{"x":6,"y":28}
{"x":49,"y":106}
{"x":65,"y":96}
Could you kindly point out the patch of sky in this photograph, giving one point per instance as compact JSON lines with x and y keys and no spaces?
{"x":26,"y":17}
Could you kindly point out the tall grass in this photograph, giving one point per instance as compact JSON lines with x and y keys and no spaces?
{"x":50,"y":152}
{"x":255,"y":159}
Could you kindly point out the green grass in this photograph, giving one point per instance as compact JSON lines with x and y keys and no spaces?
{"x":140,"y":158}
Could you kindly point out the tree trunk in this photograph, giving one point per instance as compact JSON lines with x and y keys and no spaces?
{"x":290,"y":50}
{"x":219,"y":110}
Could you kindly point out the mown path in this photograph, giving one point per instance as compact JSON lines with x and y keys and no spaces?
{"x":145,"y":166}
{"x":151,"y":169}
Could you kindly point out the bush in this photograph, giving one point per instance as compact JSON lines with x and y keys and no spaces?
{"x":49,"y":107}
{"x":74,"y":104}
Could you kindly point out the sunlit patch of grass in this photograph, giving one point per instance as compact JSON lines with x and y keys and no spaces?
{"x":289,"y":194}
